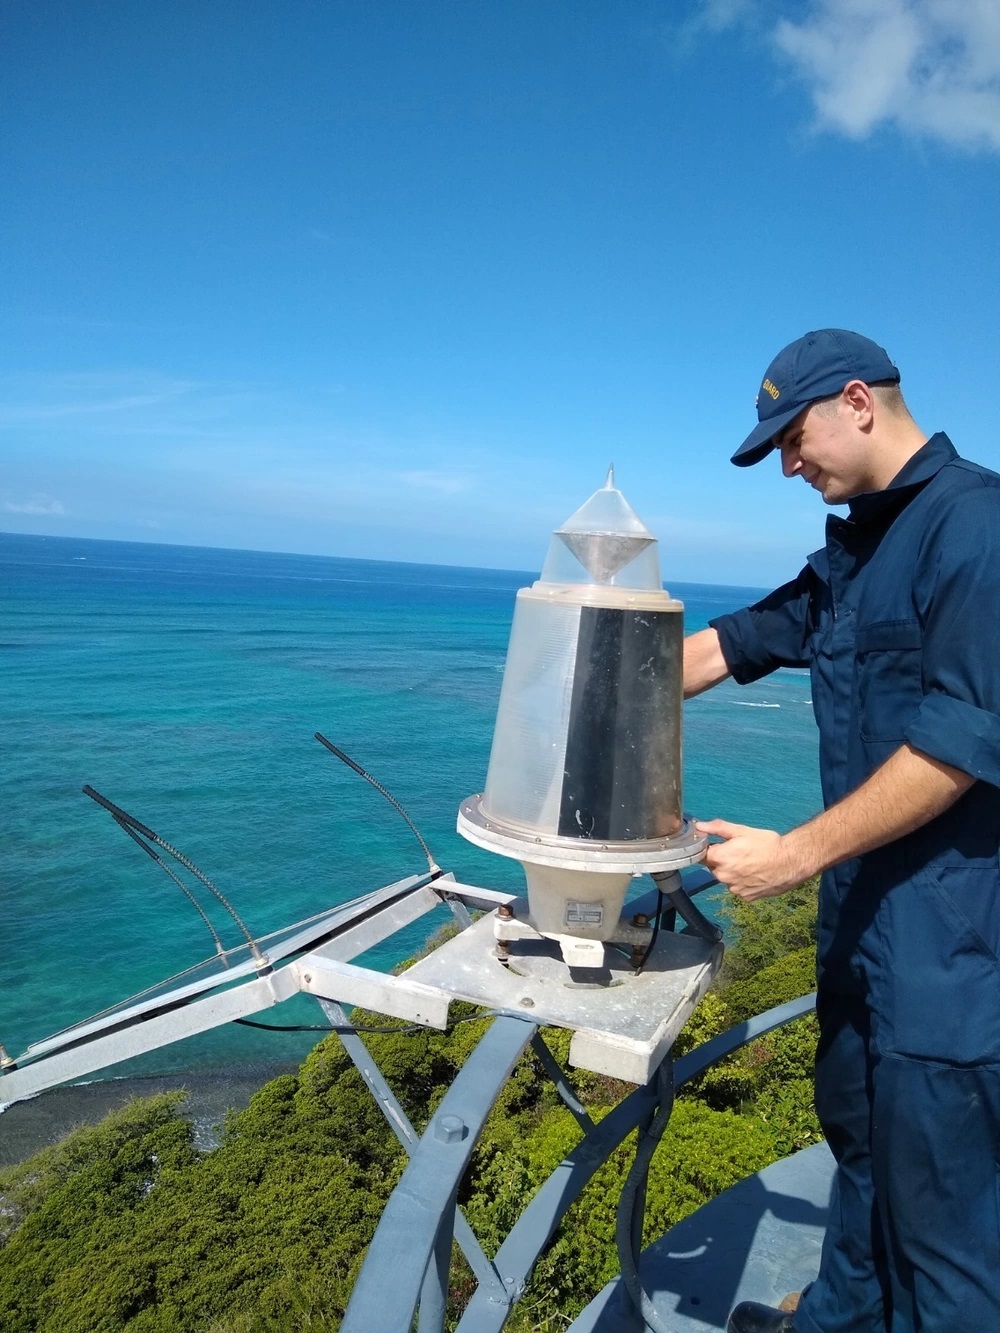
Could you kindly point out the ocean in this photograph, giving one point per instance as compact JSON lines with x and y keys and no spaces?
{"x":186,"y":684}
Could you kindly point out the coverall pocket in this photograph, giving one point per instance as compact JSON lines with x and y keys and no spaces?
{"x":888,"y":664}
{"x":943,"y":975}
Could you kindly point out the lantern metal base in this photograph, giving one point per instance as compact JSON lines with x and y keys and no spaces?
{"x":616,"y":955}
{"x":683,"y":848}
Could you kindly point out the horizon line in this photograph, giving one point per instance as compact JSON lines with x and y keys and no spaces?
{"x":308,"y":555}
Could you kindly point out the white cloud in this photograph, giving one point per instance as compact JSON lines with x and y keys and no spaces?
{"x":719,"y":14}
{"x":37,"y":504}
{"x":707,"y":19}
{"x":39,"y":400}
{"x":929,"y":67}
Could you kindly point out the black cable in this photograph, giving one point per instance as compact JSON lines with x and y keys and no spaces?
{"x":656,"y":930}
{"x":628,"y":1236}
{"x":348,"y":1030}
{"x":696,"y":922}
{"x":322,"y":1027}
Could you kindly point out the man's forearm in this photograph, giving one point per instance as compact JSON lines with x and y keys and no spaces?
{"x":909,"y":790}
{"x":704,"y":665}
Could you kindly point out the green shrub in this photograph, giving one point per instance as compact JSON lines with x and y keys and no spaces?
{"x":786,"y":1109}
{"x":766,"y":930}
{"x":702,"y":1152}
{"x":710,"y":1019}
{"x":781,"y":981}
{"x":126,"y":1228}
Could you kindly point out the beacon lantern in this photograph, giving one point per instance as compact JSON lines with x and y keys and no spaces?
{"x":584,"y":779}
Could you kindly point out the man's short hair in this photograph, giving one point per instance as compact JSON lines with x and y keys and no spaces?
{"x":887,"y":393}
{"x":890,"y":396}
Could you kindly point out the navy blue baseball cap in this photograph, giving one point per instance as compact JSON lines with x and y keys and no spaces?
{"x":815,"y":366}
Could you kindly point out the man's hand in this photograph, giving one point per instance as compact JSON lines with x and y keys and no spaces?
{"x":752,"y":862}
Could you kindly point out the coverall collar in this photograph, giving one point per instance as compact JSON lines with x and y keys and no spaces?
{"x":916,"y":472}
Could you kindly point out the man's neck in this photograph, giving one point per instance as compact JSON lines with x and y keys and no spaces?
{"x":899,"y":444}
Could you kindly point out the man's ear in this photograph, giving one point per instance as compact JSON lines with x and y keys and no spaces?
{"x":859,"y":401}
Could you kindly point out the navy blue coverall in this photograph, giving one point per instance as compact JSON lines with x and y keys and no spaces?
{"x":898,"y":620}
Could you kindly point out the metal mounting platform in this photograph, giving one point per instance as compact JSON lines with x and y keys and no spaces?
{"x":623,"y":1024}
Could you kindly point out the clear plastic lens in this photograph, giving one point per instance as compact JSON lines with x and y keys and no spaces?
{"x":524,"y":783}
{"x":604,"y":542}
{"x":587,"y":739}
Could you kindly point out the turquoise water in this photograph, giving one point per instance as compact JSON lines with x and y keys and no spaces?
{"x":186,"y":685}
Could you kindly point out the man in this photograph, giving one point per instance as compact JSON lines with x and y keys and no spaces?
{"x":898,"y":619}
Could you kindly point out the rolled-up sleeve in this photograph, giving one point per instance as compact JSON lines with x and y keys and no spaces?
{"x":770,"y":634}
{"x":957,"y":587}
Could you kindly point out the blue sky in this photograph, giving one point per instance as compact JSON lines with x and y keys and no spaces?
{"x":399,"y":279}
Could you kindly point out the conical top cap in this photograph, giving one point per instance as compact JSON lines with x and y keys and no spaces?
{"x":605,"y":534}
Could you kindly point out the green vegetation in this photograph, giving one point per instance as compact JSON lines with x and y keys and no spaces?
{"x":126,"y":1226}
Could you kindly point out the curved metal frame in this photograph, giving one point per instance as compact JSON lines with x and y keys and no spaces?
{"x":409,"y":1259}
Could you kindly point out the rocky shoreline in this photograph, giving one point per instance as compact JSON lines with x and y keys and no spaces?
{"x":26,"y":1127}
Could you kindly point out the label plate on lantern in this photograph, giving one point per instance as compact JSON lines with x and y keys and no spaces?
{"x":584,"y":914}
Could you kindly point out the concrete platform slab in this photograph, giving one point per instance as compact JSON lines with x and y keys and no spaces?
{"x":623,"y":1025}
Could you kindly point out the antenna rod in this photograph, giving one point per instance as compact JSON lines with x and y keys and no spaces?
{"x":129,"y":822}
{"x":435,"y":869}
{"x":140,"y":842}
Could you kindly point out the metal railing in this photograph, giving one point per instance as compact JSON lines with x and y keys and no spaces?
{"x":408,"y":1265}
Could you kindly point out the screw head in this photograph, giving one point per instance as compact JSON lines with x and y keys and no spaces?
{"x":527,"y":1002}
{"x":450,"y":1128}
{"x":640,"y":919}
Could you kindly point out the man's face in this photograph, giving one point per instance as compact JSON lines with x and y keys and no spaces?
{"x":824,"y":447}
